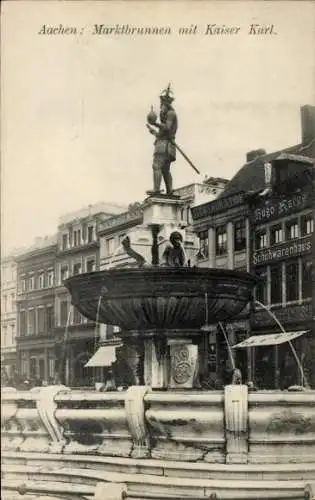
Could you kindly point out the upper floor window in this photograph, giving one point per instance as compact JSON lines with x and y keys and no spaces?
{"x":292,"y":280}
{"x":50,"y":278}
{"x":203,"y":244}
{"x":49,"y":318}
{"x":77,"y":268}
{"x":63,"y":312}
{"x":240,"y":235}
{"x":65,"y":241}
{"x":307,"y":283}
{"x":23,"y":285}
{"x":276,"y":283}
{"x":4,"y":335}
{"x":77,"y":237}
{"x":12,"y":338}
{"x":307,"y":225}
{"x":64,"y":273}
{"x":41,"y":319}
{"x":110,"y":246}
{"x":292,"y":229}
{"x":13,"y":302}
{"x":41,"y":280}
{"x":90,"y":266}
{"x":261,"y":287}
{"x":31,"y":322}
{"x":31,"y":283}
{"x":221,"y":240}
{"x":76,"y":316}
{"x":276,"y":234}
{"x":5,"y":303}
{"x":90,"y":234}
{"x":23,"y":323}
{"x":261,"y":240}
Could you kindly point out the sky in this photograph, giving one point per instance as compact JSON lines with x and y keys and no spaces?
{"x":74,"y":107}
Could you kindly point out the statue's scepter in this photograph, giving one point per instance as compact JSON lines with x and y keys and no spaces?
{"x":152,"y":122}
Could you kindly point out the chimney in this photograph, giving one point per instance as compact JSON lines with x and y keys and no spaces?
{"x":307,"y":123}
{"x":255,"y":153}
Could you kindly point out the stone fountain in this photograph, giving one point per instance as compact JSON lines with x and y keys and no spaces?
{"x":160,"y":312}
{"x":175,"y":441}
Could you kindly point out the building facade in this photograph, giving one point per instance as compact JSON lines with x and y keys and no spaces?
{"x":263,"y":223}
{"x":35,"y":312}
{"x":77,"y":252}
{"x":8,"y":315}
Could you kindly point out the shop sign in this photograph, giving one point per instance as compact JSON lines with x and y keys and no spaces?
{"x":294,"y":248}
{"x":217,"y":206}
{"x":289,"y":314}
{"x":274,"y":208}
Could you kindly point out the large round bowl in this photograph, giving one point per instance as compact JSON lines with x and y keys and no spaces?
{"x":160,"y":298}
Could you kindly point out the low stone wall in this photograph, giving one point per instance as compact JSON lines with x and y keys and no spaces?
{"x":241,"y":443}
{"x":281,"y":427}
{"x":215,"y":427}
{"x":186,"y":426}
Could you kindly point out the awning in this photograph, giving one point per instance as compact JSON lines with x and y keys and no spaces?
{"x":271,"y":339}
{"x":104,"y":356}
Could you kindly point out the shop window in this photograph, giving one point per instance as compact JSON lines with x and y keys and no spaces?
{"x":276,"y":234}
{"x":23,"y":323}
{"x":307,"y":280}
{"x":276,"y":284}
{"x":292,"y":229}
{"x":260,"y":240}
{"x":239,"y":235}
{"x":307,"y":225}
{"x":221,"y":240}
{"x":261,"y":287}
{"x":292,"y":280}
{"x":41,"y":319}
{"x":63,"y":312}
{"x":51,"y":367}
{"x":203,"y":244}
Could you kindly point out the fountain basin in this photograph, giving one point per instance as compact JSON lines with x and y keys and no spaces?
{"x":161,"y":298}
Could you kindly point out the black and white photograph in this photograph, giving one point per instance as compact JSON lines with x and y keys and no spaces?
{"x":157,"y":250}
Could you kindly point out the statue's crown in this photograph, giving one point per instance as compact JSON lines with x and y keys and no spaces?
{"x":167,"y":94}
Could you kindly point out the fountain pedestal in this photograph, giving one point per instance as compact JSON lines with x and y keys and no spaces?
{"x":183,"y":363}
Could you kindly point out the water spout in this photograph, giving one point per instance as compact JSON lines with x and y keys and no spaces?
{"x":228,"y":345}
{"x":97,"y":321}
{"x":274,"y":317}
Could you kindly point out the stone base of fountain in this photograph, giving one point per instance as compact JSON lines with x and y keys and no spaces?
{"x":161,"y":444}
